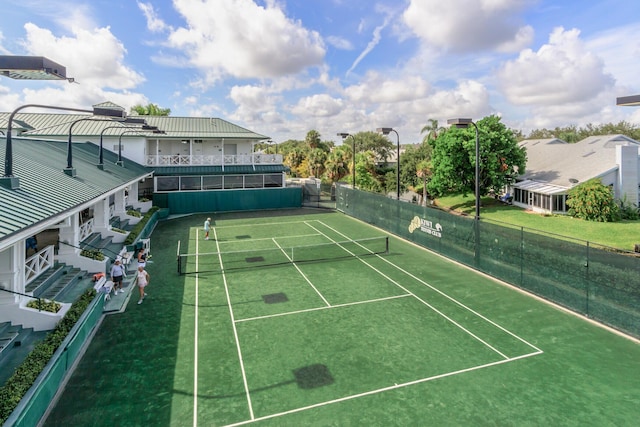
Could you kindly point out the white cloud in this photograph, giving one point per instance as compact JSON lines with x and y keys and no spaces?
{"x":154,"y":23}
{"x":252,"y":98}
{"x":378,"y":88}
{"x":93,"y":58}
{"x":340,"y":43}
{"x":321,"y":105}
{"x":465,"y":26}
{"x":370,"y":46}
{"x":560,"y":72}
{"x":619,"y":48}
{"x":242,"y":39}
{"x":3,"y":50}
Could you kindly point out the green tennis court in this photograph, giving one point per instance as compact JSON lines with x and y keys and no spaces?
{"x":307,"y":318}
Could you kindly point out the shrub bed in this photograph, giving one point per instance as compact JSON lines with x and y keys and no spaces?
{"x":135,"y":231}
{"x":25,"y":375}
{"x":45,"y":305}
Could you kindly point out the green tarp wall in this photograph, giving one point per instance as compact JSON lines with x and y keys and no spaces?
{"x":35,"y":402}
{"x":184,"y":202}
{"x":591,"y":280}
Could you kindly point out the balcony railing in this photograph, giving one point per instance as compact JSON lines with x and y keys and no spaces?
{"x":37,"y":263}
{"x":86,"y":229}
{"x":213,"y":160}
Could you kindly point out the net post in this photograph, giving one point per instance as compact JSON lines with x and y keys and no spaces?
{"x":386,"y":249}
{"x":178,"y":258}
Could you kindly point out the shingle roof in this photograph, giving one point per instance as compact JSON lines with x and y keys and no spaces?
{"x":46,"y":191}
{"x":555,"y":162}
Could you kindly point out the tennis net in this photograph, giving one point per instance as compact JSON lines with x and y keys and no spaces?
{"x":225,"y":261}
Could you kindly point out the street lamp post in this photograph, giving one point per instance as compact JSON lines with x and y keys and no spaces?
{"x":128,"y":120}
{"x":344,"y":137}
{"x":12,"y":182}
{"x":120,"y":162}
{"x":464,"y":123}
{"x":387,"y":131}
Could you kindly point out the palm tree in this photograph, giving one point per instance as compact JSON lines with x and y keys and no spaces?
{"x":312,"y":139}
{"x":424,"y":171}
{"x":432,"y":129}
{"x":150,"y":110}
{"x":316,"y":158}
{"x":336,"y":166}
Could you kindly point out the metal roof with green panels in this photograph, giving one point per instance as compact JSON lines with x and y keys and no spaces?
{"x":53,"y":124}
{"x":46,"y":191}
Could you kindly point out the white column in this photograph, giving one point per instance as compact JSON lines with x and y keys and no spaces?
{"x":69,"y":234}
{"x":101,"y":217}
{"x":133,"y":193}
{"x":628,"y":174}
{"x":120,"y":204}
{"x":9,"y":277}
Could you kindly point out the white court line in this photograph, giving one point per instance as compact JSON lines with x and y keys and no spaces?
{"x":384,"y":389}
{"x":235,"y":331}
{"x":446,"y":296}
{"x":264,"y":238}
{"x":301,"y":273}
{"x":505,"y":359}
{"x":195,"y":343}
{"x":307,"y":310}
{"x":255,"y":225}
{"x":462,"y":328}
{"x":267,"y":238}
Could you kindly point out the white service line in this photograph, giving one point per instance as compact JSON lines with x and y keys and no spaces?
{"x":266,"y":238}
{"x":446,"y":296}
{"x":468,"y":332}
{"x":254,"y":225}
{"x":307,"y":310}
{"x":381,"y":390}
{"x":195,"y":342}
{"x":302,"y":274}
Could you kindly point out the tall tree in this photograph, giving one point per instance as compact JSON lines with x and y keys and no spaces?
{"x":316,"y":158}
{"x":423,"y":171}
{"x":337,"y":164}
{"x":150,"y":110}
{"x":432,"y":130}
{"x":453,"y":158}
{"x":312,"y":139}
{"x":380,"y":145}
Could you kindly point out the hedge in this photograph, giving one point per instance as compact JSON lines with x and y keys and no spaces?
{"x":135,"y":231}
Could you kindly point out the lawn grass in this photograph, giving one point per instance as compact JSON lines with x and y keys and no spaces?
{"x":621,"y":235}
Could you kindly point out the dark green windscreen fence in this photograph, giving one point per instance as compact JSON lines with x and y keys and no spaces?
{"x":591,"y":280}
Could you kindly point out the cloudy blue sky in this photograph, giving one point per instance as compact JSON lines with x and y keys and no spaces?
{"x":284,"y":67}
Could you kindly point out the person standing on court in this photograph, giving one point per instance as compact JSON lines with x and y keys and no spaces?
{"x":117,"y":274}
{"x":207,"y":226}
{"x":142,"y":278}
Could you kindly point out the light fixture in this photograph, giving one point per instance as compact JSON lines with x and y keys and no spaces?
{"x":32,"y":68}
{"x":10,"y":181}
{"x":387,"y":131}
{"x":628,"y":101}
{"x":128,"y":120}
